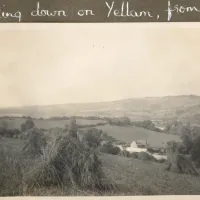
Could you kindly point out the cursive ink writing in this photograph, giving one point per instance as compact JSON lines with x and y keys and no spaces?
{"x":179,"y":9}
{"x":6,"y":14}
{"x":46,"y":13}
{"x":125,"y":11}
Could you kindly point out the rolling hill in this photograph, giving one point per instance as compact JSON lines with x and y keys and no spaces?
{"x":155,"y":108}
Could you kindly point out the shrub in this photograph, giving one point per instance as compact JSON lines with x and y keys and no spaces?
{"x":11,"y":133}
{"x":188,"y":143}
{"x":125,"y":153}
{"x":29,"y":124}
{"x":2,"y":131}
{"x":93,"y":137}
{"x":3,"y":124}
{"x":147,"y":124}
{"x":110,"y":149}
{"x":72,"y":127}
{"x":134,"y":155}
{"x":144,"y":156}
{"x":161,"y":160}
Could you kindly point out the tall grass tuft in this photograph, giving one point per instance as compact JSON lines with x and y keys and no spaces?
{"x":10,"y":173}
{"x":66,"y":161}
{"x":35,"y":141}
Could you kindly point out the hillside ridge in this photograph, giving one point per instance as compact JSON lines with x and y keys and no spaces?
{"x":141,"y":107}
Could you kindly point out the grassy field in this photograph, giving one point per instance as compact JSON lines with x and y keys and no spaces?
{"x":11,"y":143}
{"x":132,"y":133}
{"x":126,"y":134}
{"x":47,"y":124}
{"x":133,"y":177}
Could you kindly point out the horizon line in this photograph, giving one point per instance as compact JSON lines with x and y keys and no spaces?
{"x":96,"y":102}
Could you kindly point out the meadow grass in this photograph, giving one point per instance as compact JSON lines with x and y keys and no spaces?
{"x":136,"y":177}
{"x":131,"y":176}
{"x":133,"y":133}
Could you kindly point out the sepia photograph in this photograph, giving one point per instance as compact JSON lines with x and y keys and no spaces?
{"x":99,"y":110}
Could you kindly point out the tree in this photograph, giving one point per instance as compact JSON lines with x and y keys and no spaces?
{"x":23,"y":127}
{"x":29,"y":124}
{"x":188,"y":143}
{"x":73,"y":128}
{"x":4,"y":124}
{"x":93,"y":137}
{"x":167,"y":128}
{"x":127,"y":121}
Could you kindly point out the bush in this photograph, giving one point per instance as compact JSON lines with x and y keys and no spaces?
{"x":2,"y":131}
{"x":72,"y":127}
{"x":125,"y":153}
{"x":122,"y":121}
{"x":143,"y":156}
{"x":29,"y":124}
{"x":9,"y":133}
{"x":110,"y":149}
{"x":134,"y":155}
{"x":93,"y":137}
{"x":147,"y":124}
{"x":10,"y":173}
{"x":67,"y":162}
{"x":195,"y":152}
{"x":187,"y":141}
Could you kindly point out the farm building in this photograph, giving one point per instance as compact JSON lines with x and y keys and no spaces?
{"x":141,"y":143}
{"x":135,"y":148}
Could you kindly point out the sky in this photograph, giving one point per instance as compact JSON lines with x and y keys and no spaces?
{"x":68,"y":63}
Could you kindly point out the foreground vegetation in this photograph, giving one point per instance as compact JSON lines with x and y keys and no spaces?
{"x":64,"y":162}
{"x":136,"y":177}
{"x":35,"y":161}
{"x":131,"y":177}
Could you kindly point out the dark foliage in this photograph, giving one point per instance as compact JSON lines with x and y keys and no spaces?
{"x":195,"y":152}
{"x":93,"y":137}
{"x":122,"y":121}
{"x":147,"y":124}
{"x":110,"y":149}
{"x":9,"y":133}
{"x":28,"y":124}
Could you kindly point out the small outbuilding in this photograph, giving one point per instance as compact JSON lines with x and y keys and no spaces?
{"x":142,"y":143}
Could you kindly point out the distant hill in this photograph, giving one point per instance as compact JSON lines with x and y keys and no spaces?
{"x":156,"y":108}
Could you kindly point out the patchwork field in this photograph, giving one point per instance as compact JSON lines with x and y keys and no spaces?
{"x":132,"y":133}
{"x":47,"y":124}
{"x":126,"y":134}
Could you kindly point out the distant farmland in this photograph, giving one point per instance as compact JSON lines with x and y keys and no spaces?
{"x":132,"y":133}
{"x":126,"y":134}
{"x":47,"y":124}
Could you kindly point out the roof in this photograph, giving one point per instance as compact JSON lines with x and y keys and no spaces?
{"x":144,"y":142}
